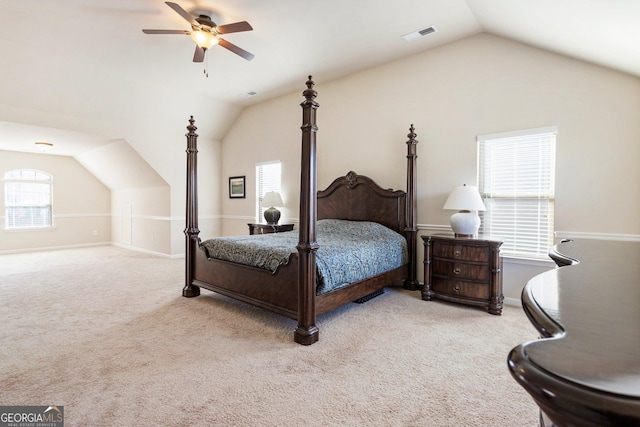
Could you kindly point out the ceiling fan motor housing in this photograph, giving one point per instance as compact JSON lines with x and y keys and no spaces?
{"x":206,"y":22}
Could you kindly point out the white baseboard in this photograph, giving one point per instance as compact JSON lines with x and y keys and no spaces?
{"x":516,"y":302}
{"x":146,"y":251}
{"x":90,"y":245}
{"x":53,"y":248}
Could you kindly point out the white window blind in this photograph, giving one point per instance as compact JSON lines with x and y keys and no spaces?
{"x":516,"y":181}
{"x":268,"y":179}
{"x":27,"y":199}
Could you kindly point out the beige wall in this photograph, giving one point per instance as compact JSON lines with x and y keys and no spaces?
{"x":151,"y":118}
{"x":480,"y":85}
{"x":141,"y":219}
{"x":81,"y":205}
{"x":142,"y":212}
{"x":262,"y":133}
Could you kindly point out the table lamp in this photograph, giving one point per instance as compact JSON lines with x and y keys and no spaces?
{"x":272,"y":199}
{"x":464,"y":199}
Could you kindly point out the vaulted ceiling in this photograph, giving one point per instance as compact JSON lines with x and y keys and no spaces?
{"x":59,"y":56}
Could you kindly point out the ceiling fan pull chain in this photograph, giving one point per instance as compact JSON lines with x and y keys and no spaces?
{"x":206,"y":63}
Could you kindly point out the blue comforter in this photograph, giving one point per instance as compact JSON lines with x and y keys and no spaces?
{"x":350,"y":251}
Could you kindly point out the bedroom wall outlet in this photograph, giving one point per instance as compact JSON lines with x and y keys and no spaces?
{"x":95,"y":232}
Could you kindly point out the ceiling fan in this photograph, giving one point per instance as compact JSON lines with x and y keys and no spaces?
{"x":206,"y":33}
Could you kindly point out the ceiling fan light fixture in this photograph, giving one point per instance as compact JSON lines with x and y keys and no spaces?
{"x":44,"y":146}
{"x":204,"y":39}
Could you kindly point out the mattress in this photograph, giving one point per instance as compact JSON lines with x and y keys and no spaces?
{"x":349,"y":251}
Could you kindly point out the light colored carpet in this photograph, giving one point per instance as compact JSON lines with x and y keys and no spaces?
{"x":105,"y":332}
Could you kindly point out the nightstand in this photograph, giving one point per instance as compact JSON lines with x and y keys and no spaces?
{"x":269,"y":228}
{"x":463,"y":270}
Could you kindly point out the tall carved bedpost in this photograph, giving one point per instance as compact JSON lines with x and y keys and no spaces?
{"x":192,"y":230}
{"x":307,"y":332}
{"x":411,"y":229}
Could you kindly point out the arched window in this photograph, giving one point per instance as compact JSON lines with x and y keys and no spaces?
{"x":27,"y":199}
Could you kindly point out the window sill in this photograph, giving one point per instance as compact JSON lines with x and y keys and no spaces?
{"x":540,"y":262}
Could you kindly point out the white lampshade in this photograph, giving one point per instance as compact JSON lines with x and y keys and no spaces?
{"x":272,"y":199}
{"x":465,"y":199}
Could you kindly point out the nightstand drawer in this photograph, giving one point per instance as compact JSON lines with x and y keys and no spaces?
{"x":460,"y":270}
{"x":461,"y":288}
{"x":460,"y":252}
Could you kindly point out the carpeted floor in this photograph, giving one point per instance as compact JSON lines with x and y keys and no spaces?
{"x":105,"y":333}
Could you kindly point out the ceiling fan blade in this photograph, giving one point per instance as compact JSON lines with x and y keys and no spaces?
{"x":235,"y":49}
{"x":236,"y":27}
{"x":186,"y":15}
{"x":198,"y":55}
{"x":166,"y":32}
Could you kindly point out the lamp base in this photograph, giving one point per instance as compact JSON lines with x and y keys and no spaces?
{"x":464,"y":236}
{"x":272,"y":216}
{"x":465,"y":224}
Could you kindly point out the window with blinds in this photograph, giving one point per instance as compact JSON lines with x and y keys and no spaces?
{"x":268,"y":176}
{"x":27,"y":199}
{"x":516,"y":177}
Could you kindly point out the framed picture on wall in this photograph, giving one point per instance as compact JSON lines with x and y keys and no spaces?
{"x":236,"y":187}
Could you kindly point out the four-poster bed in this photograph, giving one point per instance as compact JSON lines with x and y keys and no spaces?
{"x":290,"y":289}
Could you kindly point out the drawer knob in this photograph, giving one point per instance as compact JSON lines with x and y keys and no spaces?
{"x":456,"y":289}
{"x":456,"y":253}
{"x":456,"y":270}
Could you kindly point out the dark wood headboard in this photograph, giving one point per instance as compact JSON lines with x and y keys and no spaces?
{"x":358,"y":198}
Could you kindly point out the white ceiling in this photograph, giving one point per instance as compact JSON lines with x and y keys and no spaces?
{"x":291,"y":38}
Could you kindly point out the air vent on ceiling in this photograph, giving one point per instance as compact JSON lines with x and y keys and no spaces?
{"x":420,"y":33}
